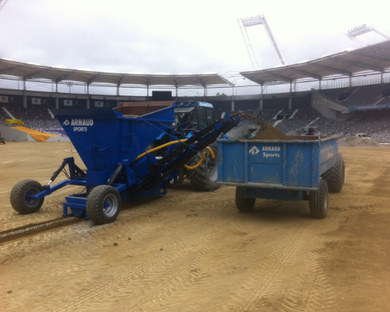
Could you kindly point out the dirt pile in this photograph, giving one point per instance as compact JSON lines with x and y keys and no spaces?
{"x":350,"y":141}
{"x":266,"y":132}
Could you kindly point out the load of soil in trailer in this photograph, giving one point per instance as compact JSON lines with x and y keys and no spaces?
{"x":262,"y":130}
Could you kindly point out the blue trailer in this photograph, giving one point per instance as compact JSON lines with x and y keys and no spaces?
{"x":125,"y":158}
{"x":304,"y":168}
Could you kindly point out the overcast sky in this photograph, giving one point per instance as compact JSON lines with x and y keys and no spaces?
{"x":172,"y":36}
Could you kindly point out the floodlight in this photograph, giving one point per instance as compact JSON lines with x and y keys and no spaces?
{"x":363,"y":29}
{"x":252,"y":20}
{"x":359,"y":30}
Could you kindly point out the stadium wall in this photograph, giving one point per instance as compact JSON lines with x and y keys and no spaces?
{"x":12,"y":135}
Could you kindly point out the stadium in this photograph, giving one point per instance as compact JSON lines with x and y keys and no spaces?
{"x":350,"y":93}
{"x":192,"y":250}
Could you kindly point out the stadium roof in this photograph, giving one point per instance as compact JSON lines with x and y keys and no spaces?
{"x":28,"y":71}
{"x":374,"y":58}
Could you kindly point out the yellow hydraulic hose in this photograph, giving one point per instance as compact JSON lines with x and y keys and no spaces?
{"x":201,"y":160}
{"x":159,"y":147}
{"x":198,"y":164}
{"x":175,"y":142}
{"x":211,"y":151}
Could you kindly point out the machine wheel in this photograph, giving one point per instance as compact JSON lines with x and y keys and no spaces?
{"x":319,"y":201}
{"x":20,"y":193}
{"x":205,"y":177}
{"x":335,"y":176}
{"x":244,"y":204}
{"x":103,"y":204}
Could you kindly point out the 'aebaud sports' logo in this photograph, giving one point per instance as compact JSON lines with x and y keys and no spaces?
{"x":79,"y":124}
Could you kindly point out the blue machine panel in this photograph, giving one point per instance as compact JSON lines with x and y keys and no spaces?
{"x":301,"y":167}
{"x":104,"y":137}
{"x":265,"y":162}
{"x":231,"y":162}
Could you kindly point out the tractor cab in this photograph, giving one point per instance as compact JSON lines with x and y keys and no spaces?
{"x":193,"y":116}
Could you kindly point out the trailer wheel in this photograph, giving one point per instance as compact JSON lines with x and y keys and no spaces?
{"x":319,"y":201}
{"x":244,"y":204}
{"x":205,"y":177}
{"x":20,"y":199}
{"x":103,"y":204}
{"x":335,"y":176}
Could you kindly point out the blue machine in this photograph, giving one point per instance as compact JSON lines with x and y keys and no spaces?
{"x":121,"y":163}
{"x":301,"y":169}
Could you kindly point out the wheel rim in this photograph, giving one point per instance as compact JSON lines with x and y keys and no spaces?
{"x":110,"y":205}
{"x":212,"y":169}
{"x":28,"y":200}
{"x":326,"y":204}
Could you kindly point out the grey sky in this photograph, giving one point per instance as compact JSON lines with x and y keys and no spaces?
{"x":174,"y":36}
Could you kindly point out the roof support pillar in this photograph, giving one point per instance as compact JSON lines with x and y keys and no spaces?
{"x":24,"y":101}
{"x":261,"y":103}
{"x":232,"y":104}
{"x":290,"y":96}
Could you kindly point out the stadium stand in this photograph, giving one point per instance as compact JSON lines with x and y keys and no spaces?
{"x":295,"y":121}
{"x":3,"y":116}
{"x":371,"y":95}
{"x":37,"y":118}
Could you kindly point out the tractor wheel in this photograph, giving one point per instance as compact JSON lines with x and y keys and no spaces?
{"x":20,"y":196}
{"x":319,"y":201}
{"x":103,"y":204}
{"x":335,"y":176}
{"x":205,"y":177}
{"x":244,"y":204}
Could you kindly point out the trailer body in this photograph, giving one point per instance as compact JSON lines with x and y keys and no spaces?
{"x":279,"y":169}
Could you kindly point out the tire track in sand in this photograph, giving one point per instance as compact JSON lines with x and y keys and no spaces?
{"x":262,"y":291}
{"x":158,"y":279}
{"x":319,"y":295}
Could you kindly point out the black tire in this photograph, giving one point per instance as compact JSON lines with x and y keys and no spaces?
{"x":319,"y":201}
{"x":244,"y":204}
{"x":205,"y":177}
{"x":335,"y":176}
{"x":103,"y":204}
{"x":19,"y":196}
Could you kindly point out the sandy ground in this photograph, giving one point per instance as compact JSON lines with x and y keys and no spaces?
{"x":192,"y":251}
